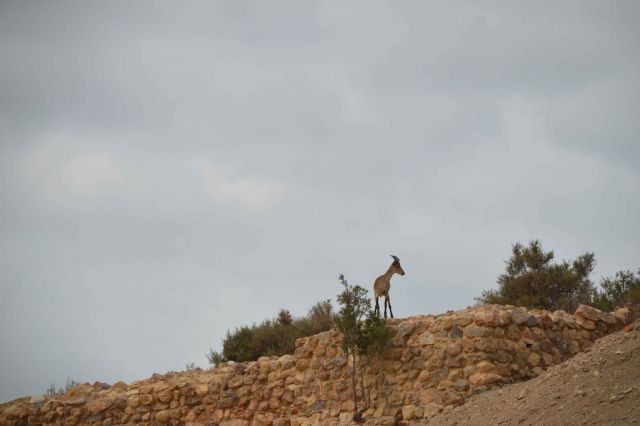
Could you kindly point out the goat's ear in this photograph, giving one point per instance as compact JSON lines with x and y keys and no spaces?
{"x":395,"y":258}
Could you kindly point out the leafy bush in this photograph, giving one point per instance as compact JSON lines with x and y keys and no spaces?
{"x":275,"y":336}
{"x":533,"y":280}
{"x":616,"y":291}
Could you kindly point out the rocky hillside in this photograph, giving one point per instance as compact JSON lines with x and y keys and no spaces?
{"x":434,"y":363}
{"x":599,"y":386}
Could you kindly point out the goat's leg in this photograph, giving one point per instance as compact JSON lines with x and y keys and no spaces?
{"x":389,"y":302}
{"x":377,"y":308}
{"x":385,"y":307}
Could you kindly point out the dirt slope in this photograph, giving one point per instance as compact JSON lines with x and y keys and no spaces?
{"x":600,"y":386}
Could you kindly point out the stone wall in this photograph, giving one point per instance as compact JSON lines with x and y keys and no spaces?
{"x":434,"y":362}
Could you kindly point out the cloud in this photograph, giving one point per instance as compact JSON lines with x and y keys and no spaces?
{"x":59,"y":166}
{"x":254,"y":193}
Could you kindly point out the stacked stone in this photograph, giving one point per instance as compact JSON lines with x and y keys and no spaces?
{"x":433,"y":362}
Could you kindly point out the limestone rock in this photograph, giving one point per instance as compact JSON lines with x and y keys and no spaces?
{"x":201,"y":389}
{"x":544,"y":321}
{"x":588,"y":312}
{"x":120,"y":385}
{"x":519,"y":316}
{"x":263,"y":419}
{"x":473,"y":331}
{"x":38,"y":399}
{"x":408,"y":412}
{"x":426,"y":338}
{"x":586,"y":323}
{"x":431,"y":395}
{"x":461,"y":385}
{"x":455,"y":333}
{"x":98,"y":405}
{"x":484,"y":378}
{"x":162,"y":416}
{"x":487,"y":317}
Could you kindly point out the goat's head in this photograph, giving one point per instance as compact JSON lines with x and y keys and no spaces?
{"x":395,"y":266}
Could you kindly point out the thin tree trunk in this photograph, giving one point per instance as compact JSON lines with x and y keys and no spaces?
{"x":362,"y":391}
{"x":353,"y":381}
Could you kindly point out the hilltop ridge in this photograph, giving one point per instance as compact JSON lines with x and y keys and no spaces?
{"x":435,"y":363}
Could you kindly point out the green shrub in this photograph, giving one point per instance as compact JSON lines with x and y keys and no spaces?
{"x":275,"y":336}
{"x":532,"y":279}
{"x":623,"y":288}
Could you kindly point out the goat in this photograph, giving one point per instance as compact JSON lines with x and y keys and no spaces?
{"x":383,"y":283}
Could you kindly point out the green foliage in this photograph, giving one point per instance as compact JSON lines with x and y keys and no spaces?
{"x":320,"y":317}
{"x":214,"y":357}
{"x":285,"y":317}
{"x":375,"y":336}
{"x":354,"y":307}
{"x":364,"y":332}
{"x":273,"y":336}
{"x":191,"y":366}
{"x":532,"y":279}
{"x":616,"y":291}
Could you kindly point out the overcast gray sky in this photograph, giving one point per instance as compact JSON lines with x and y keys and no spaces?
{"x":169,"y":171}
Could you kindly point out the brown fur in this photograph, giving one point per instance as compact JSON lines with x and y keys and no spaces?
{"x":382,"y":285}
